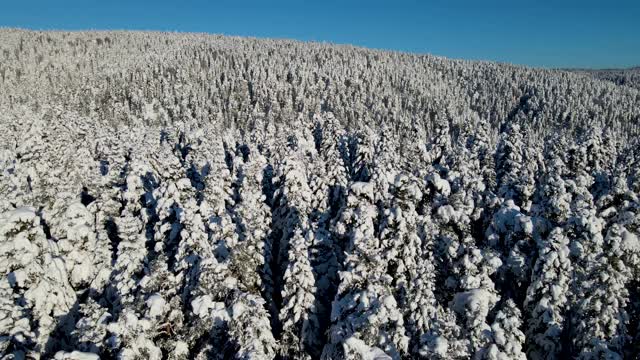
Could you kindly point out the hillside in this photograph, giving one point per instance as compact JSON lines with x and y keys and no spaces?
{"x":628,"y":77}
{"x":194,"y":196}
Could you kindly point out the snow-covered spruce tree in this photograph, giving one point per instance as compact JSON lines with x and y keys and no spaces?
{"x":606,"y":269}
{"x":474,"y":307}
{"x":292,"y":200}
{"x":218,"y":200}
{"x":9,"y":181}
{"x":163,"y":307}
{"x":514,"y":172}
{"x":170,"y":197}
{"x":297,"y":323}
{"x":552,"y":198}
{"x":250,"y":329}
{"x":598,"y":326}
{"x":383,"y":169}
{"x":17,"y":336}
{"x":465,"y":269}
{"x":469,"y":165}
{"x":510,"y":233}
{"x":507,"y":339}
{"x":84,"y":256}
{"x":336,"y":172}
{"x":400,"y":238}
{"x":364,"y":155}
{"x":91,"y":329}
{"x":193,"y":236}
{"x":298,"y":315}
{"x":481,"y":144}
{"x":547,"y":298}
{"x":631,"y":168}
{"x":440,"y":148}
{"x":468,"y":270}
{"x":445,"y":339}
{"x":132,"y":334}
{"x":548,"y":295}
{"x":415,"y":159}
{"x":364,"y":307}
{"x":328,"y":177}
{"x":250,"y":259}
{"x":132,"y":237}
{"x":597,"y":149}
{"x":432,"y":328}
{"x":155,"y":302}
{"x":248,"y":323}
{"x":36,"y":291}
{"x":208,"y":321}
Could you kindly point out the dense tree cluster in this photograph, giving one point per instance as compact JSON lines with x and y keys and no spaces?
{"x":188,"y":196}
{"x":628,"y":77}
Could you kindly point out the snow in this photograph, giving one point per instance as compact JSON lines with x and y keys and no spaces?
{"x":180,"y":350}
{"x":442,"y":185}
{"x":440,"y":346}
{"x":238,"y":309}
{"x":477,"y":301}
{"x":447,"y":214}
{"x":21,"y":214}
{"x":156,"y":305}
{"x":201,"y":305}
{"x":365,"y":352}
{"x":75,"y":355}
{"x":630,"y":241}
{"x":363,"y":189}
{"x":204,"y":307}
{"x":225,"y":202}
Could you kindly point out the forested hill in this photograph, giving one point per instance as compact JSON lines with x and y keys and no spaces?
{"x":192,"y":196}
{"x":120,"y":75}
{"x":628,"y":77}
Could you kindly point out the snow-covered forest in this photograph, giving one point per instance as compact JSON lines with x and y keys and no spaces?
{"x":628,"y":77}
{"x":192,"y":196}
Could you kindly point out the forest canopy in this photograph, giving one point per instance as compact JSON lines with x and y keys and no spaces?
{"x":194,"y":196}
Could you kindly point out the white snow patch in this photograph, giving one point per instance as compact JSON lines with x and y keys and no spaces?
{"x":366,"y":352}
{"x":156,"y":305}
{"x":440,"y":346}
{"x":477,"y":301}
{"x":630,"y":241}
{"x":440,"y":184}
{"x":363,"y":188}
{"x":76,"y":355}
{"x":201,"y":305}
{"x":180,"y":350}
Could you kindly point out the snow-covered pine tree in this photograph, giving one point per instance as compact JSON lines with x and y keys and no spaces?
{"x":250,"y":260}
{"x":298,"y":315}
{"x":400,"y":238}
{"x":336,"y":172}
{"x":364,"y":155}
{"x":547,"y":298}
{"x":507,"y":339}
{"x":91,"y":329}
{"x":513,"y":166}
{"x":131,"y":236}
{"x":36,"y":286}
{"x":80,"y":245}
{"x":250,"y":329}
{"x":588,"y":287}
{"x":218,"y":200}
{"x":364,"y":307}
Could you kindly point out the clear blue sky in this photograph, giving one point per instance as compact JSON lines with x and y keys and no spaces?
{"x":563,"y":33}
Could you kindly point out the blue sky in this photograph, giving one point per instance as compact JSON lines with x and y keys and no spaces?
{"x":563,"y":33}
